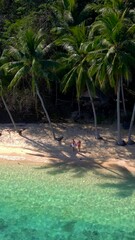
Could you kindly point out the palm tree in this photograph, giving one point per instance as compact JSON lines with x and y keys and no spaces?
{"x":6,"y":107}
{"x":114,"y":53}
{"x":3,"y":89}
{"x":130,"y":141}
{"x":70,"y":12}
{"x":123,"y":99}
{"x":27,"y":58}
{"x":117,"y":5}
{"x":77,"y":47}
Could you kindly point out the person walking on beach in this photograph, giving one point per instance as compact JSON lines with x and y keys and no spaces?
{"x":73,"y":145}
{"x":79,"y":145}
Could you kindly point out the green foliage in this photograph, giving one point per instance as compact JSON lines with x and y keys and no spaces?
{"x":16,"y":29}
{"x":113,"y":59}
{"x":95,"y":41}
{"x":71,"y":12}
{"x":28,"y":58}
{"x":77,"y":46}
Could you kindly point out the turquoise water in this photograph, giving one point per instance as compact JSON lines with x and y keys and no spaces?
{"x":65,"y":204}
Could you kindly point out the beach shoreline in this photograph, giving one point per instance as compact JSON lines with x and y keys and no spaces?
{"x":37,"y":146}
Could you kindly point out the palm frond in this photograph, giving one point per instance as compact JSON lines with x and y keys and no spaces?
{"x":69,"y":79}
{"x":69,"y":4}
{"x":131,"y":29}
{"x":79,"y":81}
{"x":17,"y":77}
{"x":49,"y":64}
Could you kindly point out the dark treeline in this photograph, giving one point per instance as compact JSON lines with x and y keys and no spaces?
{"x":67,"y":59}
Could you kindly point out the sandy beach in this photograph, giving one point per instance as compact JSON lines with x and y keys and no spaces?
{"x":36,"y":145}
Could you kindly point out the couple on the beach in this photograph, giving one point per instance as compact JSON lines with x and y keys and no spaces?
{"x":75,"y":145}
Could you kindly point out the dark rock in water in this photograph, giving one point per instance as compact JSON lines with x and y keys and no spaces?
{"x":3,"y":224}
{"x":91,"y":234}
{"x":69,"y":226}
{"x":95,"y":233}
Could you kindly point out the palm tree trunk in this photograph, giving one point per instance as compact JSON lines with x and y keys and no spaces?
{"x":12,"y":120}
{"x":56,"y":92}
{"x":79,"y":108}
{"x":36,"y":107}
{"x":123,"y":98}
{"x":119,"y":140}
{"x":46,"y":113}
{"x":97,"y":136}
{"x":130,"y":141}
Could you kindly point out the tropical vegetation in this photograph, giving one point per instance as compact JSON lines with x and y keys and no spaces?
{"x":58,"y":50}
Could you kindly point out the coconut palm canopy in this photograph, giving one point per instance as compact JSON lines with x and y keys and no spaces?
{"x":91,"y":43}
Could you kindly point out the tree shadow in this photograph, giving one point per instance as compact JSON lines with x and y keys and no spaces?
{"x":36,"y":144}
{"x":62,"y":159}
{"x":124,"y":183}
{"x":79,"y":167}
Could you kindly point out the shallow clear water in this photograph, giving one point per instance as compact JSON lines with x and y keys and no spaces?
{"x":59,"y":204}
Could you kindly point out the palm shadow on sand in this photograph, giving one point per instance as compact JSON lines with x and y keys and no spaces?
{"x":63,"y":159}
{"x":79,"y":167}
